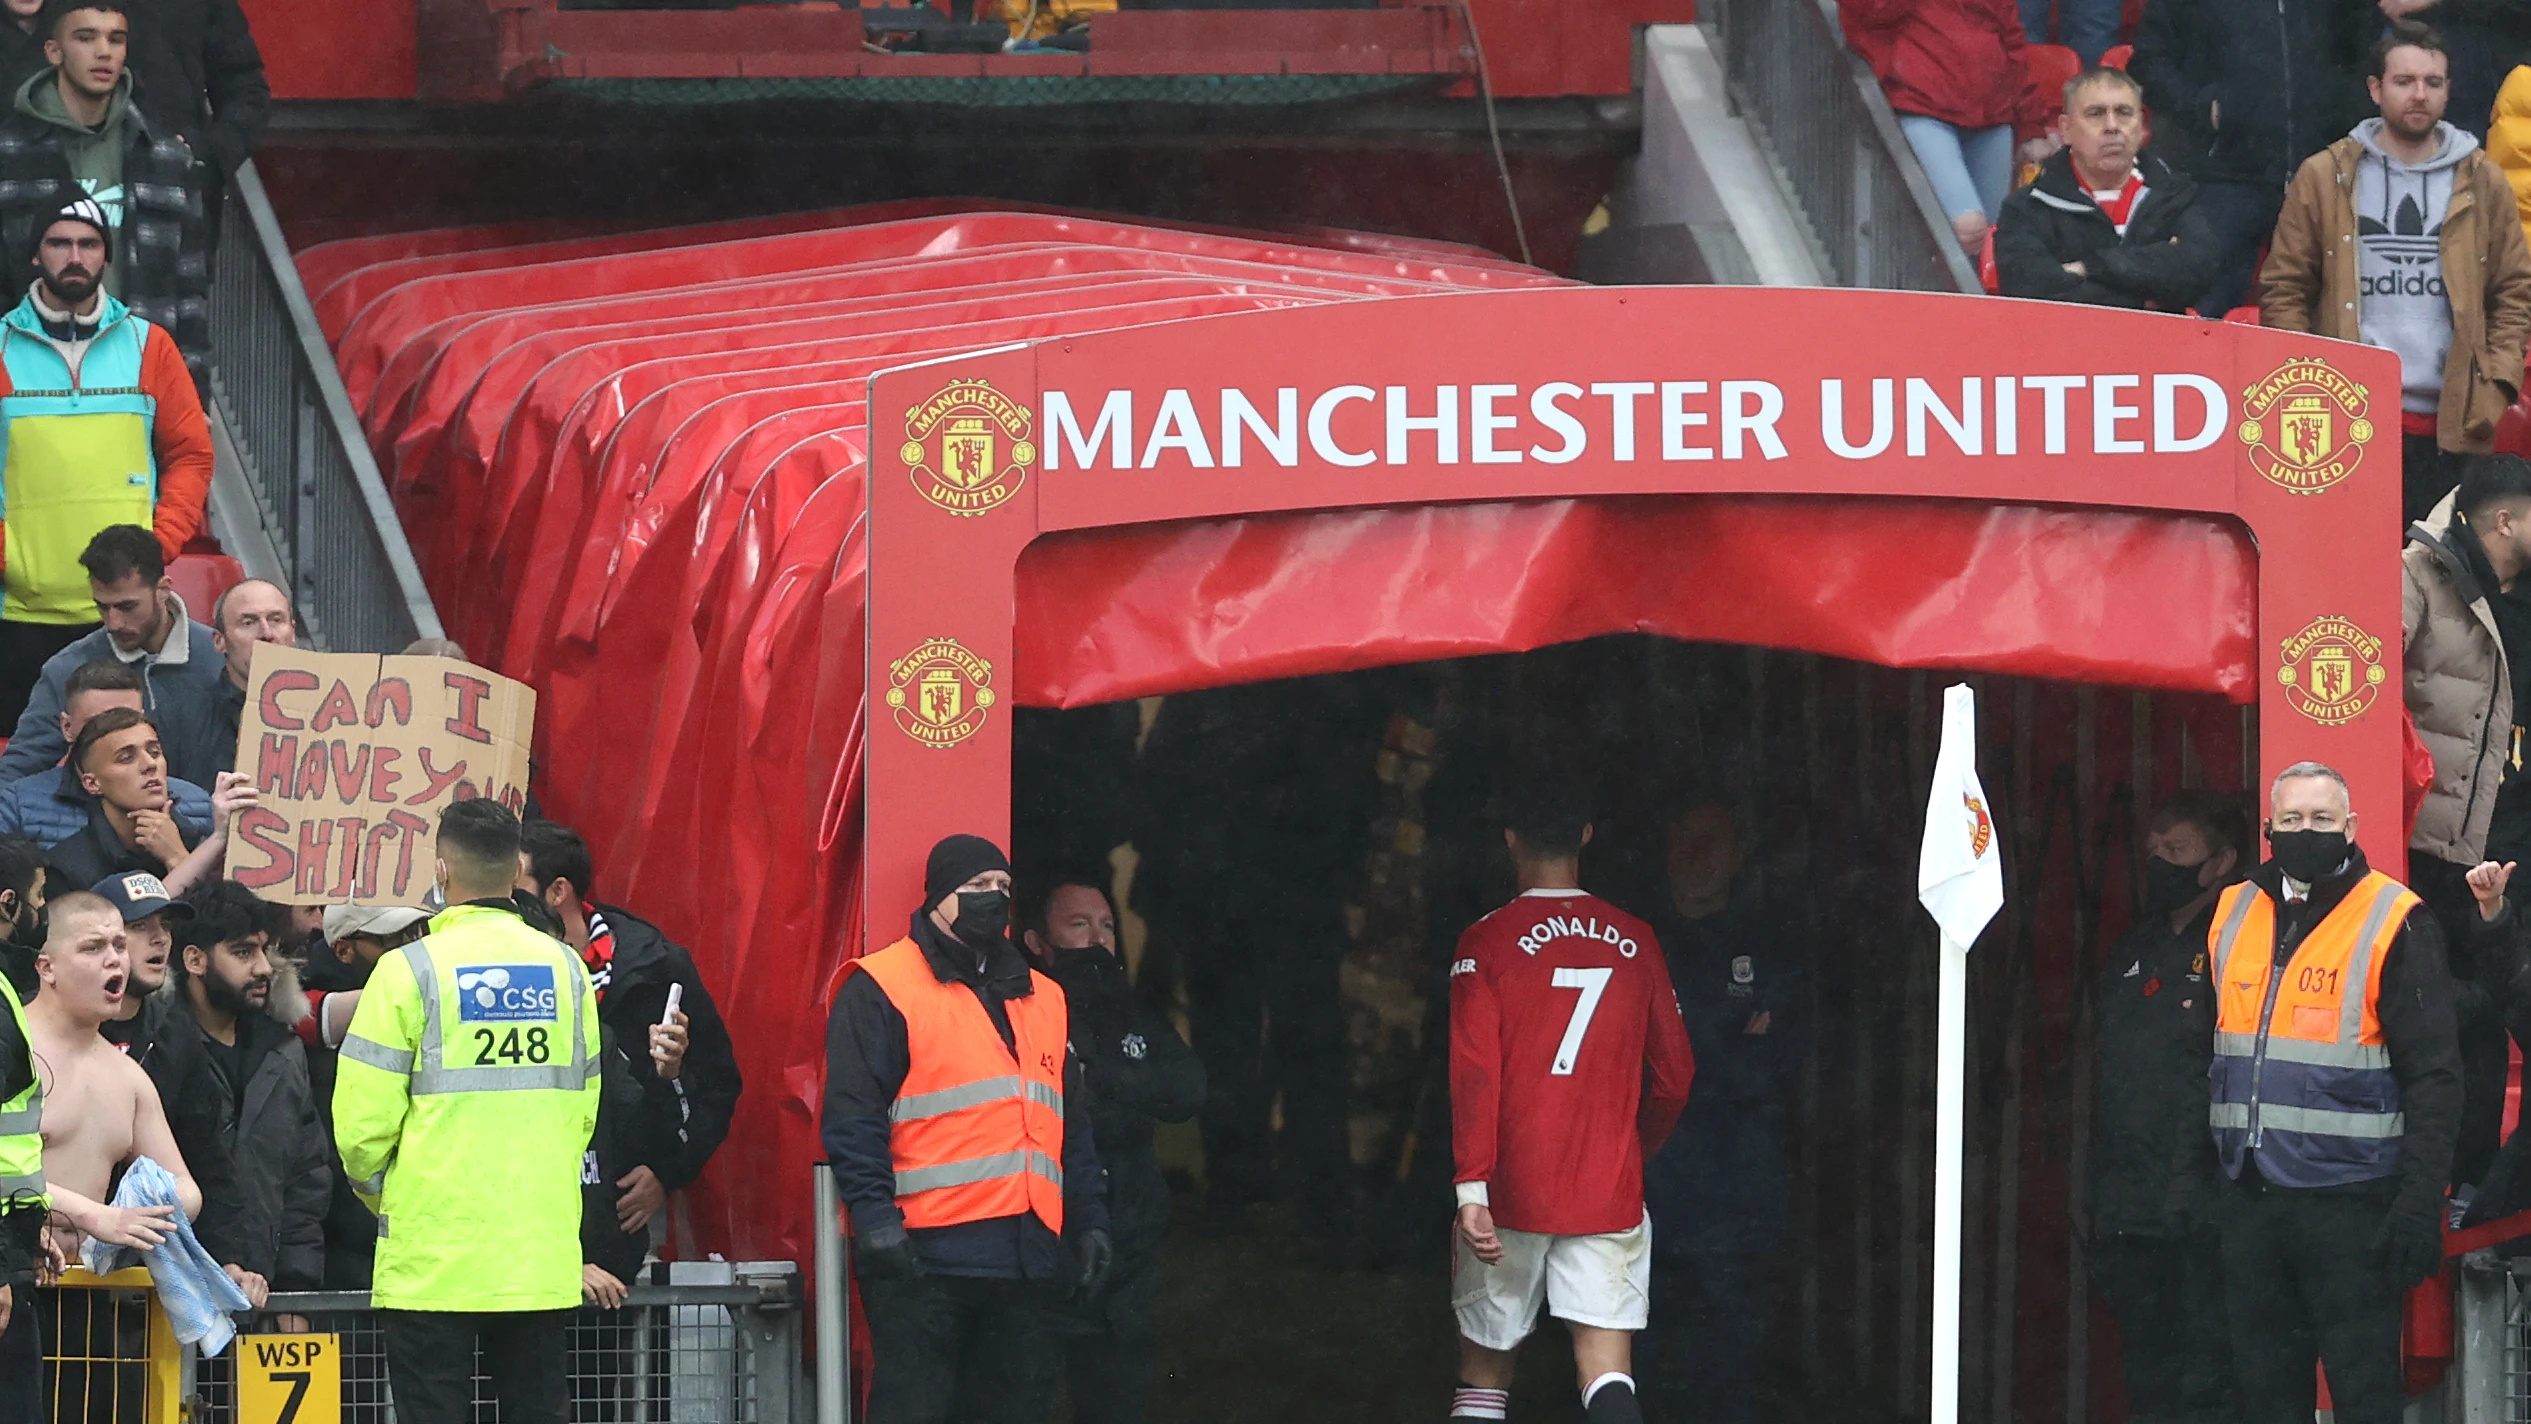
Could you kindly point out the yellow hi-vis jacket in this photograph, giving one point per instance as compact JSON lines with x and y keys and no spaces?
{"x":465,"y":1095}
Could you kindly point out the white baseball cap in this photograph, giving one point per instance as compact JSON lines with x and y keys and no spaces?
{"x":376,"y":921}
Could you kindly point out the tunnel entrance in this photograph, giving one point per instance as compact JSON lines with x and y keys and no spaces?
{"x":1296,"y":859}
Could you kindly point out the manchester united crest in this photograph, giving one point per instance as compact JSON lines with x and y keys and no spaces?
{"x":2306,"y":426}
{"x":1981,"y":827}
{"x":2331,"y":671}
{"x":968,"y":447}
{"x":940,"y":692}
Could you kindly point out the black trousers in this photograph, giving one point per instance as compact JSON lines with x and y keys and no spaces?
{"x":2426,"y":475}
{"x":431,"y":1364}
{"x":1106,"y":1349}
{"x":2484,"y":1061}
{"x":24,"y":649}
{"x":2167,"y":1292}
{"x":2303,"y":1285}
{"x":953,"y":1347}
{"x":1697,"y":1362}
{"x":21,"y":1362}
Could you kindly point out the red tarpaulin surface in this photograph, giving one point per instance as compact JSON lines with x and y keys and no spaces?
{"x":633,"y":468}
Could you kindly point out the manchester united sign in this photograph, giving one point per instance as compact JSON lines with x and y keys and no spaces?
{"x":2331,"y":671}
{"x":968,"y":447}
{"x":2306,"y":426}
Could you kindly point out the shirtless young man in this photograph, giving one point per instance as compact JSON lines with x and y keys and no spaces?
{"x":100,"y":1109}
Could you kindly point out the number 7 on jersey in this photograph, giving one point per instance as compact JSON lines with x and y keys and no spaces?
{"x":1592,"y":983}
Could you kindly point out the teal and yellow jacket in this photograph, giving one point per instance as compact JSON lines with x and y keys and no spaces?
{"x":99,"y":425}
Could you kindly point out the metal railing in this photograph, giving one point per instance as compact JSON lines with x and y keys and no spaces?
{"x":718,"y":1351}
{"x":315,"y":484}
{"x":1819,"y":115}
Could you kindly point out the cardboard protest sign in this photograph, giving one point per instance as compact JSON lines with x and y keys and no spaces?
{"x":354,"y":756}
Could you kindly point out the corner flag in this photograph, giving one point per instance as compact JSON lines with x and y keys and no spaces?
{"x":1960,"y":873}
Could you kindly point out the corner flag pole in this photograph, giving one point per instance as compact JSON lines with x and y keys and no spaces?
{"x":1960,"y":882}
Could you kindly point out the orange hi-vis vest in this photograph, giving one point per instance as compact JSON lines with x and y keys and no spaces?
{"x":2301,"y":1078}
{"x":976,"y":1131}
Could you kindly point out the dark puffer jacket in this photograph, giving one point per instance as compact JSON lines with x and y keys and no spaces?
{"x":2163,"y":260}
{"x":198,"y":76}
{"x":2281,"y":76}
{"x":163,"y":250}
{"x":633,"y":997}
{"x":278,"y":1147}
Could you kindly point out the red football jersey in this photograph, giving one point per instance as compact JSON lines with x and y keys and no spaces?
{"x":1559,"y":1003}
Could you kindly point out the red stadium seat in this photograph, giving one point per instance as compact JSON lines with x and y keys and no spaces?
{"x":2513,"y":429}
{"x":1986,"y":275}
{"x":2116,"y":56}
{"x":201,"y":579}
{"x":2050,"y":66}
{"x":2133,"y":17}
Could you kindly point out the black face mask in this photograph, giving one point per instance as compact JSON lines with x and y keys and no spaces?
{"x":983,"y":915}
{"x":2308,"y":855}
{"x":2167,"y":887}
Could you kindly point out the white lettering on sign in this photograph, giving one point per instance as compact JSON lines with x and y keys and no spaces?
{"x":1681,"y":421}
{"x":1556,"y":927}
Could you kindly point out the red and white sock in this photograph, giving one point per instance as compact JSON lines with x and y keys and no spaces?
{"x":1472,"y":1403}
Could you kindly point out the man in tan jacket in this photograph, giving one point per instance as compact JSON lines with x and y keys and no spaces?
{"x":2401,"y":235}
{"x":2466,"y":647}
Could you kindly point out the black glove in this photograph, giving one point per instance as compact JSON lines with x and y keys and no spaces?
{"x":1096,"y":1253}
{"x":886,"y":1253}
{"x":2410,"y":1244}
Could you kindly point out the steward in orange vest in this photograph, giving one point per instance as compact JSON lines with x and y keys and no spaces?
{"x":2335,"y":1100}
{"x":960,"y":1141}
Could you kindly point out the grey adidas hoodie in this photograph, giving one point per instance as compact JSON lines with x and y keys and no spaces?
{"x":2399,"y":210}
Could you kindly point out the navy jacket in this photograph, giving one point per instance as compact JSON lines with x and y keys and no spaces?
{"x":49,"y":807}
{"x":178,"y":700}
{"x":1720,"y":1183}
{"x":867,"y":1056}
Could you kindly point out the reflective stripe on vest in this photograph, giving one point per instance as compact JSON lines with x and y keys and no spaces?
{"x":2301,"y":1079}
{"x":431,"y":1072}
{"x":22,"y":1125}
{"x":976,"y":1130}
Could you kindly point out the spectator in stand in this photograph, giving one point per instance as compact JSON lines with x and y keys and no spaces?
{"x":2242,"y":91}
{"x":49,"y":806}
{"x":2402,"y":235}
{"x":199,"y":78}
{"x":243,"y":1001}
{"x":355,"y":938}
{"x":2509,"y":139}
{"x":2101,"y":226}
{"x":2487,"y":39}
{"x":631,"y":964}
{"x":1955,"y":73}
{"x":21,"y":48}
{"x":1139,"y":1072}
{"x":77,"y":131}
{"x":147,"y":628}
{"x":248,"y":612}
{"x":2087,"y":27}
{"x":153,"y":1030}
{"x":131,"y":821}
{"x":436,"y":648}
{"x":134,"y":450}
{"x":1716,"y":1191}
{"x":21,"y":912}
{"x":2461,"y":567}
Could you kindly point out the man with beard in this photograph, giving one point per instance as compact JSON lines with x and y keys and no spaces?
{"x":153,"y":1030}
{"x":148,"y":629}
{"x":2403,"y":235}
{"x":21,"y":912}
{"x":2336,"y":1098}
{"x":2154,"y":1249}
{"x":238,"y":997}
{"x":114,"y":435}
{"x":946,"y":1058}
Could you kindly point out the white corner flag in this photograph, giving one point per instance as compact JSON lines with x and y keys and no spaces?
{"x":1960,"y":873}
{"x":1960,"y":882}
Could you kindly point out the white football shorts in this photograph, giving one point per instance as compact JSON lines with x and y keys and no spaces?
{"x":1605,"y":1281}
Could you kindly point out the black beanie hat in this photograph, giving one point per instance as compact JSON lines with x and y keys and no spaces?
{"x":72,"y":205}
{"x":957,"y":860}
